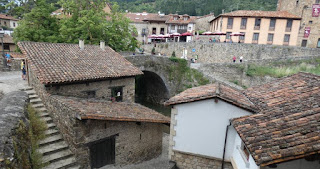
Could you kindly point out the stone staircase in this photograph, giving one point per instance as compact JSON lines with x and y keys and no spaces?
{"x":55,"y":151}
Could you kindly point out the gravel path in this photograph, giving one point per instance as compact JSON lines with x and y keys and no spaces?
{"x":161,"y":162}
{"x":11,"y":81}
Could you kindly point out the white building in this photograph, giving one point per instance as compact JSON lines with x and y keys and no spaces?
{"x":268,"y":126}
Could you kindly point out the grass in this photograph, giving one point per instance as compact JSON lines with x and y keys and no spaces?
{"x":284,"y":70}
{"x":26,"y":139}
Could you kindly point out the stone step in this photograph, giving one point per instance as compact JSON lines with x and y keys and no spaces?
{"x":57,"y":156}
{"x":30,"y":92}
{"x":27,"y":88}
{"x":35,"y":100}
{"x":33,"y":96}
{"x":51,"y":132}
{"x":42,"y":109}
{"x":51,"y":126}
{"x":47,"y":119}
{"x":44,"y":114}
{"x":50,"y":139}
{"x":39,"y":105}
{"x":53,"y":148}
{"x":66,"y":163}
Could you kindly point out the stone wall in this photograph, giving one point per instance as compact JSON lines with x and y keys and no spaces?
{"x":190,"y":161}
{"x":224,"y":52}
{"x":203,"y":23}
{"x":101,"y":88}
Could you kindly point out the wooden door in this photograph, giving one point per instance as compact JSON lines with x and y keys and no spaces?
{"x":103,"y":153}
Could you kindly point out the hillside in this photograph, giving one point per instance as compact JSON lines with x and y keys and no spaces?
{"x":196,"y":8}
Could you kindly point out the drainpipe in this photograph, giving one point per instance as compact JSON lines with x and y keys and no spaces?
{"x":225,"y":145}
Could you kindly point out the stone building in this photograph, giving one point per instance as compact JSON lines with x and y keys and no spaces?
{"x":275,"y":125}
{"x":258,"y":27}
{"x":89,"y":91}
{"x":8,"y":21}
{"x":309,"y":28}
{"x":8,"y":44}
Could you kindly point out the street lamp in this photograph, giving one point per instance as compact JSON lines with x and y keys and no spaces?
{"x":4,"y":58}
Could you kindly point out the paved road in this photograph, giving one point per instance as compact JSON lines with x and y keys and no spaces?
{"x":11,"y":81}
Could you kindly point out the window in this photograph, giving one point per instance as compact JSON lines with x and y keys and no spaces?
{"x":143,"y":32}
{"x":241,"y":38}
{"x":162,"y":31}
{"x":5,"y":23}
{"x":304,"y":43}
{"x":243,"y":23}
{"x":91,"y":94}
{"x":14,"y":24}
{"x":185,"y":18}
{"x":230,"y":23}
{"x":116,"y":93}
{"x":6,"y":47}
{"x":317,"y":1}
{"x":272,"y":24}
{"x":255,"y":38}
{"x":318,"y":45}
{"x":173,"y":27}
{"x":286,"y":39}
{"x":175,"y":18}
{"x":289,"y":25}
{"x":154,"y":31}
{"x":270,"y":38}
{"x":228,"y":35}
{"x":257,"y":24}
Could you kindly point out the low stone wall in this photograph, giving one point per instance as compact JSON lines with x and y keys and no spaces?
{"x":189,"y":161}
{"x":224,"y":52}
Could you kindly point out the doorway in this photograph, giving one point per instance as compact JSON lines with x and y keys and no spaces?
{"x":102,"y":152}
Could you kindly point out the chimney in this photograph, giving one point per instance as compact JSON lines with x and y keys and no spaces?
{"x":81,"y":44}
{"x":102,"y":45}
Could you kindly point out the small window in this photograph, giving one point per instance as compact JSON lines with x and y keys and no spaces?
{"x":243,"y":23}
{"x":91,"y":94}
{"x":270,"y":38}
{"x":175,"y":18}
{"x":14,"y":24}
{"x":162,"y":31}
{"x":272,"y":24}
{"x":116,"y":93}
{"x":6,"y":47}
{"x":318,"y":45}
{"x":185,"y":18}
{"x":257,"y":24}
{"x":255,"y":38}
{"x":289,"y":25}
{"x":286,"y":39}
{"x":5,"y":23}
{"x":310,"y":22}
{"x":304,"y":43}
{"x":230,"y":23}
{"x":154,"y":31}
{"x":173,"y":27}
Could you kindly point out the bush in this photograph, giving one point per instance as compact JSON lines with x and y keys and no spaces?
{"x":173,"y":54}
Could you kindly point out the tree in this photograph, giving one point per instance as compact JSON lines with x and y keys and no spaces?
{"x":38,"y":25}
{"x":89,"y":22}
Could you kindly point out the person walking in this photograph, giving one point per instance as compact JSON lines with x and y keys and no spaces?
{"x":23,"y":69}
{"x":241,"y":58}
{"x":234,"y":59}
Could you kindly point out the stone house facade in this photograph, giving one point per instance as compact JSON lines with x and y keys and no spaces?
{"x":275,"y":125}
{"x":309,"y":28}
{"x":89,"y":91}
{"x":258,"y":27}
{"x":8,"y":21}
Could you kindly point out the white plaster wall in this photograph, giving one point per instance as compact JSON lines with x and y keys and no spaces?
{"x":11,"y":24}
{"x":201,"y":127}
{"x":238,"y":161}
{"x":297,"y":164}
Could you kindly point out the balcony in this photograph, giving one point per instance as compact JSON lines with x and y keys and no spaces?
{"x":271,"y":28}
{"x":288,"y":29}
{"x":256,"y":27}
{"x":182,"y":30}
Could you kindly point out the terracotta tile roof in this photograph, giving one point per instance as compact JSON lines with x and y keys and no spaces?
{"x":112,"y":111}
{"x":216,"y":90}
{"x":139,"y":17}
{"x":260,"y":14}
{"x":288,"y":126}
{"x":56,"y":63}
{"x":5,"y":16}
{"x":158,"y":18}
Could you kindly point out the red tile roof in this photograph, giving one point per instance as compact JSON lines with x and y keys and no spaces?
{"x":261,"y":14}
{"x":180,"y":19}
{"x":8,"y":39}
{"x":56,"y":63}
{"x":5,"y":16}
{"x":288,"y":126}
{"x":139,"y":17}
{"x":216,"y":90}
{"x":112,"y":111}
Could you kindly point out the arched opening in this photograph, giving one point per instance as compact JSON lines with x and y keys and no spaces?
{"x":151,"y":91}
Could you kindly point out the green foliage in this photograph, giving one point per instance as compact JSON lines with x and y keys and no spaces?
{"x":196,"y":8}
{"x":173,"y":54}
{"x":38,"y":25}
{"x":26,"y":141}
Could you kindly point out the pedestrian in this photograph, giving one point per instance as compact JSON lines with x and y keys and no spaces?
{"x":8,"y":57}
{"x":241,"y":58}
{"x":234,"y":59}
{"x":23,"y":69}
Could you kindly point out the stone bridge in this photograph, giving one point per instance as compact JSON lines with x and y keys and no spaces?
{"x":155,"y":85}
